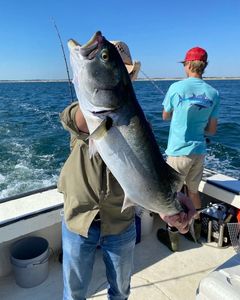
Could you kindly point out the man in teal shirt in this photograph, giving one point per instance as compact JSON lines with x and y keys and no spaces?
{"x":192,"y":105}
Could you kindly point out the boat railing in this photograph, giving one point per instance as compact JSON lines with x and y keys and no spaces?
{"x":29,"y":193}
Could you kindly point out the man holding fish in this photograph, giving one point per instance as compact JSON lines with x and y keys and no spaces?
{"x":115,"y":163}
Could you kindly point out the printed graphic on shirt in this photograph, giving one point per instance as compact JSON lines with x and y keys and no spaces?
{"x":200,"y":101}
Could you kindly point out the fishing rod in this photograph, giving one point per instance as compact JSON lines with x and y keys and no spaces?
{"x":64,"y":56}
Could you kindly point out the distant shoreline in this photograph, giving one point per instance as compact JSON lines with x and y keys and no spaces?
{"x":180,"y":78}
{"x":139,"y":79}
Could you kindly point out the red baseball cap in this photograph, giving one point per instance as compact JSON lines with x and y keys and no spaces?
{"x":196,"y":53}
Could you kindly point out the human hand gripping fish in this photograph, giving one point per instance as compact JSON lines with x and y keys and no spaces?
{"x":120,"y":133}
{"x":183,"y":219}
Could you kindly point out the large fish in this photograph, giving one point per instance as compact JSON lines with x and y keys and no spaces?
{"x":119,"y":131}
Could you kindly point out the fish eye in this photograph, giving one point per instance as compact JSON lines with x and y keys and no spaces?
{"x":104,"y":55}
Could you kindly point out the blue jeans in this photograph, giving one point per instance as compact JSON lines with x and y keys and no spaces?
{"x":78,"y":259}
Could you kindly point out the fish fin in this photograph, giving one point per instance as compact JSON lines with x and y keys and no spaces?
{"x":101,"y":130}
{"x":92,"y":148}
{"x":127,"y":203}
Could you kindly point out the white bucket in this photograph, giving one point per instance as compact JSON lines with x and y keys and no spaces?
{"x":146,"y":220}
{"x":29,"y":258}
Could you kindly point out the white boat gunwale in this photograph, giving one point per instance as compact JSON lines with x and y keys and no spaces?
{"x":45,"y":220}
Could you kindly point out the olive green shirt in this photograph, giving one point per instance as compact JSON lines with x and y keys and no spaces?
{"x":89,"y":187}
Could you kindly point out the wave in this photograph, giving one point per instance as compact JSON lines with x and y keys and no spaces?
{"x":34,"y":145}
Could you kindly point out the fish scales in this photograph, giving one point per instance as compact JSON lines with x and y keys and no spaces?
{"x":128,"y":146}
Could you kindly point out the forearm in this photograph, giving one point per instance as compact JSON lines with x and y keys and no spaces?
{"x":167,"y":115}
{"x":80,"y":121}
{"x":211,"y":127}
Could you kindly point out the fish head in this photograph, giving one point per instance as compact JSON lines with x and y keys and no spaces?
{"x":100,"y":77}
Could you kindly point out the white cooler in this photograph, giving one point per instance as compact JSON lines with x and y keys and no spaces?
{"x":223,"y":283}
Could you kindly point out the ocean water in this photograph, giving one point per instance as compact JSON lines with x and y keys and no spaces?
{"x":34,"y":145}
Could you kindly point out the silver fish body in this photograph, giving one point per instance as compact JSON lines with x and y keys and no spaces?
{"x":127,"y":146}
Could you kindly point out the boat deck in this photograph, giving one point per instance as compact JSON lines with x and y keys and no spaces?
{"x":158,"y":273}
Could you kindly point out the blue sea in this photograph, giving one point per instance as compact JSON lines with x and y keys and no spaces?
{"x":34,"y":145}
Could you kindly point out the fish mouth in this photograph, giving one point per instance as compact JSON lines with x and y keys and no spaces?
{"x":104,"y":111}
{"x":89,"y":49}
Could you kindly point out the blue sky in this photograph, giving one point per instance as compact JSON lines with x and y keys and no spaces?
{"x":157,"y":32}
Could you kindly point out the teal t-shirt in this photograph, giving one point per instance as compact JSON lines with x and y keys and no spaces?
{"x":193,"y":103}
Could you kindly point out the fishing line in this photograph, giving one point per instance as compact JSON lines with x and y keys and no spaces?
{"x":153,"y":83}
{"x":64,"y":56}
{"x":149,"y":79}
